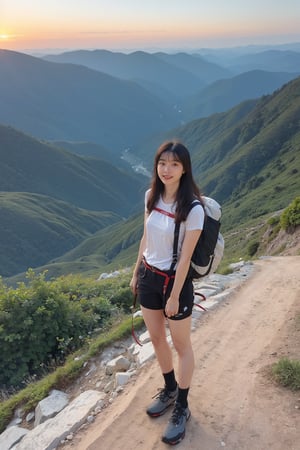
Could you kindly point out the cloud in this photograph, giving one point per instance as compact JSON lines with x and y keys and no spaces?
{"x":125,"y":32}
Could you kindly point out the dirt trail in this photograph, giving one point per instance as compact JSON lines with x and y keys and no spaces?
{"x":233,"y":402}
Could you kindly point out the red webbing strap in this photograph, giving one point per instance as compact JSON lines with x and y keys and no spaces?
{"x":161,"y":273}
{"x":163,"y":211}
{"x":133,"y":308}
{"x":132,"y":325}
{"x":198,"y":304}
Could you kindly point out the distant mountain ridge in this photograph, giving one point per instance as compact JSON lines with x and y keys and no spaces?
{"x":215,"y":88}
{"x":222,"y":95}
{"x":276,"y":58}
{"x":71,"y":102}
{"x":268,"y":60}
{"x":68,"y":101}
{"x":247,"y":158}
{"x":179,"y":74}
{"x":205,"y":70}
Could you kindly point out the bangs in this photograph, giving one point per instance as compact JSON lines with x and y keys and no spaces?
{"x":169,"y":155}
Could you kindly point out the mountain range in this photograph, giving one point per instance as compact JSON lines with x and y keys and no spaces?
{"x":247,"y":158}
{"x":170,"y":76}
{"x":268,"y":60}
{"x":197,"y":86}
{"x":29,"y":165}
{"x":71,"y":102}
{"x":86,"y":95}
{"x":70,"y":203}
{"x":52,"y":199}
{"x":224,"y":94}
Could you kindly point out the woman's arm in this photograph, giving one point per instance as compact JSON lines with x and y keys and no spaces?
{"x":190,"y":240}
{"x":133,"y":282}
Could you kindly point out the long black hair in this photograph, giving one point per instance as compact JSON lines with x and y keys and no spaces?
{"x":187,"y":191}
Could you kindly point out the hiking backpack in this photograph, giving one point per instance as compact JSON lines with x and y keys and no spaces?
{"x":210,"y":246}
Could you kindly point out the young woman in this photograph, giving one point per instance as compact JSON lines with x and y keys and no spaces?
{"x":166,"y":292}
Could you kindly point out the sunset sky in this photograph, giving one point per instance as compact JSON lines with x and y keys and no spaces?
{"x":151,"y":24}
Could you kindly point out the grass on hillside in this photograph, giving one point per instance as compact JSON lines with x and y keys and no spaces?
{"x":63,"y":376}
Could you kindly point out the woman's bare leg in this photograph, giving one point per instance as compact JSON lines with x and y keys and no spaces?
{"x":181,"y":337}
{"x":156,"y":324}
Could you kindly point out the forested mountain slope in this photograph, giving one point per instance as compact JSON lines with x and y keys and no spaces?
{"x":35,"y":228}
{"x":50,"y":200}
{"x":30,"y":165}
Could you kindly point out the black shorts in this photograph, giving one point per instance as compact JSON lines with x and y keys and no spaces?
{"x":151,"y":296}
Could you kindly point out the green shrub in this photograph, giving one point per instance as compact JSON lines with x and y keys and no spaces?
{"x":252,"y":248}
{"x":226,"y":270}
{"x":29,"y":397}
{"x":290,"y":218}
{"x":273,"y":221}
{"x":287,"y":373}
{"x":122,"y":298}
{"x":42,"y":322}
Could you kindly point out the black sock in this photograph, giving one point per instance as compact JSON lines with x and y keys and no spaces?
{"x":170,"y":380}
{"x":182,"y":397}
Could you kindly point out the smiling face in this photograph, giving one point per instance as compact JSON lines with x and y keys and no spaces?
{"x":169,"y":169}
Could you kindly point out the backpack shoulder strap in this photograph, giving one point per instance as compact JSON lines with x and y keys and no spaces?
{"x":175,"y":246}
{"x":195,"y":203}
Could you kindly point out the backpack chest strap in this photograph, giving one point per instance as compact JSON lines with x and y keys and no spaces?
{"x":163,"y":211}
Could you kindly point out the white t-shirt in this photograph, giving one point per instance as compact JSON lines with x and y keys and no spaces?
{"x":160,"y":233}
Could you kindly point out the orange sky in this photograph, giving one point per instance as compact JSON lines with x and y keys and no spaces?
{"x":132,"y":24}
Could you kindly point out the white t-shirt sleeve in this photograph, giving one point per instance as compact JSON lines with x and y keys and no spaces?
{"x":146,"y":198}
{"x":195,"y":218}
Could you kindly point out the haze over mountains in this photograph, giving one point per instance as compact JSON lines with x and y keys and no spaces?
{"x":224,"y":94}
{"x":178,"y":78}
{"x":174,"y":76}
{"x":270,"y":60}
{"x":65,"y":127}
{"x":140,"y":94}
{"x":70,"y":102}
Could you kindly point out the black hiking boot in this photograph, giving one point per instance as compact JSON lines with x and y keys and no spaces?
{"x":163,"y":400}
{"x":175,"y":430}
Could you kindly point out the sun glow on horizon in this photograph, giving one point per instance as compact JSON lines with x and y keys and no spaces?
{"x":124,"y":24}
{"x":9,"y":40}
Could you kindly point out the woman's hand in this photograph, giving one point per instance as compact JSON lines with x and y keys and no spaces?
{"x":133,"y":284}
{"x":172,"y":306}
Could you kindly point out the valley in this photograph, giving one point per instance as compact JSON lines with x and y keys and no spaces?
{"x":245,"y":150}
